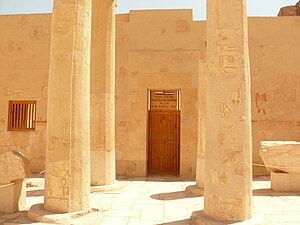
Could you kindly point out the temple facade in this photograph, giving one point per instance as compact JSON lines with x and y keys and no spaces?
{"x":156,"y":86}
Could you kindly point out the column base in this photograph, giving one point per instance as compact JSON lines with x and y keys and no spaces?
{"x":39,"y":214}
{"x":198,"y":218}
{"x":105,"y":188}
{"x":194,"y":190}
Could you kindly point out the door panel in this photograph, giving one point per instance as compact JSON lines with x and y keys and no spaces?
{"x":164,"y":142}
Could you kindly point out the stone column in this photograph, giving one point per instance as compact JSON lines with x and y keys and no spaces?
{"x":103,"y":170}
{"x":200,"y":171}
{"x":228,"y":156}
{"x":67,"y":187}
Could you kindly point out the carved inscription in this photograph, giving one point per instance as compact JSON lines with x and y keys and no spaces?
{"x":228,"y":142}
{"x":223,"y":109}
{"x":63,"y":21}
{"x":64,"y":186}
{"x":229,"y":59}
{"x":237,"y":96}
{"x":59,"y":142}
{"x":59,"y":179}
{"x":217,"y":179}
{"x":261,"y":99}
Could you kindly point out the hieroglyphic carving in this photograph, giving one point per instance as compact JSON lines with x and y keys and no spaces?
{"x":63,"y":21}
{"x":64,"y":186}
{"x":223,"y":109}
{"x":59,"y":179}
{"x":228,"y":141}
{"x":238,"y":95}
{"x":182,"y":26}
{"x":15,"y":46}
{"x":261,"y":99}
{"x":229,"y":59}
{"x":58,"y":143}
{"x":217,"y":179}
{"x":13,"y":93}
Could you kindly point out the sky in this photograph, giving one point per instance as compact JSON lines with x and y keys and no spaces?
{"x":255,"y":7}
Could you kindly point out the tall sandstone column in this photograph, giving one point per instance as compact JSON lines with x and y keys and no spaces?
{"x":200,"y":171}
{"x":103,"y":93}
{"x":68,"y":141}
{"x":228,"y":182}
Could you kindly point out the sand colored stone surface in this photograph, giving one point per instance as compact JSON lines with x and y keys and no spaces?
{"x":171,"y":43}
{"x":161,"y":200}
{"x":281,"y":156}
{"x":228,"y":160}
{"x":67,"y":187}
{"x":13,"y":197}
{"x":14,"y":166}
{"x":202,"y":89}
{"x":285,"y":182}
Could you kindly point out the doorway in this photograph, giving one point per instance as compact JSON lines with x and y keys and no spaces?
{"x":164,"y":131}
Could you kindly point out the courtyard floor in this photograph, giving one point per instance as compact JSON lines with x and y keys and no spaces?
{"x":163,"y":200}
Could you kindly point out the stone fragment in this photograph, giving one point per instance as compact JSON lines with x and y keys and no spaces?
{"x":14,"y":167}
{"x":288,"y":11}
{"x":281,"y":156}
{"x":298,"y":8}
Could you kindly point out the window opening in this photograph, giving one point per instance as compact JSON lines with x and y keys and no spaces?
{"x":21,"y":115}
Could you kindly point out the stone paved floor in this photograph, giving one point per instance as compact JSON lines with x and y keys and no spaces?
{"x":162,"y":200}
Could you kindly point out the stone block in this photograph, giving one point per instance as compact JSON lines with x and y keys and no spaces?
{"x":285,"y":182}
{"x":13,"y":197}
{"x":14,"y":166}
{"x":281,"y":156}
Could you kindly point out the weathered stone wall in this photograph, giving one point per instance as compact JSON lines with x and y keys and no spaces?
{"x":155,"y":50}
{"x":24,"y":60}
{"x":275,"y":79}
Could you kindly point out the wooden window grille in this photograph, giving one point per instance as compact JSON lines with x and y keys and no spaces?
{"x":21,"y":115}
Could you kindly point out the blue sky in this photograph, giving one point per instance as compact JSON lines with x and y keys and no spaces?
{"x":255,"y":7}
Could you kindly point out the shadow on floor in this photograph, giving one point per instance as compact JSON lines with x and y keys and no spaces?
{"x":34,"y":193}
{"x":270,"y":192}
{"x":157,"y":178}
{"x":261,"y":178}
{"x":179,"y":222}
{"x":172,"y":196}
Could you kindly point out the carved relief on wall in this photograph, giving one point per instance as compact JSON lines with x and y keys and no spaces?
{"x":63,"y":21}
{"x":59,"y":143}
{"x":58,"y":179}
{"x":229,"y":144}
{"x":229,"y":58}
{"x":260,"y":102}
{"x":223,"y":109}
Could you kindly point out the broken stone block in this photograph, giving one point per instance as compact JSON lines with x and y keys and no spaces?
{"x":298,"y":8}
{"x":288,"y":11}
{"x":14,"y":167}
{"x":281,"y":156}
{"x":13,"y":197}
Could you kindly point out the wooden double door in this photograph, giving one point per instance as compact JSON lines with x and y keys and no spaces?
{"x":164,"y":142}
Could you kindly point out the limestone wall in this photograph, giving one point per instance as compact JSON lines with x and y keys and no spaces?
{"x":155,"y":50}
{"x":275,"y":74}
{"x":24,"y":57}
